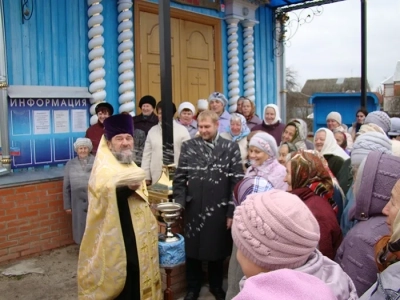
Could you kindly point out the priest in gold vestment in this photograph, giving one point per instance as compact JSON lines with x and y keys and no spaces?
{"x":118,"y":257}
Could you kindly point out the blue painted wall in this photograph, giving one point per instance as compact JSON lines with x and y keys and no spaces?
{"x":51,"y":47}
{"x":265,"y":67}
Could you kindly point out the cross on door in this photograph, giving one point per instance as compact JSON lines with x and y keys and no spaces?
{"x":198,"y":77}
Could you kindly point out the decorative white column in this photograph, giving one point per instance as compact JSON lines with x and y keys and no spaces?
{"x":243,"y":11}
{"x":125,"y":58}
{"x":96,"y":53}
{"x":248,"y":57}
{"x":233,"y":63}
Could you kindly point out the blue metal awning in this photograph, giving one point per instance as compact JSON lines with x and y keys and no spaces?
{"x":298,"y":4}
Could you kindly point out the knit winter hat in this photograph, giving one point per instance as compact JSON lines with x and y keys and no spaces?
{"x":285,"y":284}
{"x":216,"y":96}
{"x":394,"y":127}
{"x":376,"y":181}
{"x":83,"y":142}
{"x":186,"y":105}
{"x":147,"y":100}
{"x":202,"y":104}
{"x":334,"y":115}
{"x":379,"y":118}
{"x":250,"y":185}
{"x":266,"y":143}
{"x":275,"y":230}
{"x":367,"y":142}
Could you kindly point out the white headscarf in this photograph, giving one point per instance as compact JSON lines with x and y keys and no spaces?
{"x":277,"y":114}
{"x":330,"y":145}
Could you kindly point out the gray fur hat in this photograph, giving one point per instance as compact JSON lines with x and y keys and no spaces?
{"x":83,"y":142}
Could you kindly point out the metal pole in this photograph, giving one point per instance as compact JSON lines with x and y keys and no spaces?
{"x":364,"y":53}
{"x":166,"y":80}
{"x":5,"y":163}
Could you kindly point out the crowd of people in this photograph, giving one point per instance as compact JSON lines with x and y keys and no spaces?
{"x":294,"y":214}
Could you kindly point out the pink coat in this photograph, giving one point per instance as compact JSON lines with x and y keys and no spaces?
{"x":272,"y":171}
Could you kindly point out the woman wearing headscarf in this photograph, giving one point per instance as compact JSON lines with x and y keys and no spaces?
{"x":75,"y":187}
{"x":249,"y":112}
{"x":292,"y":134}
{"x":237,"y":132}
{"x":325,"y":143}
{"x":310,"y":181}
{"x":387,"y":253}
{"x":284,"y":151}
{"x":304,"y":133}
{"x":272,"y":123}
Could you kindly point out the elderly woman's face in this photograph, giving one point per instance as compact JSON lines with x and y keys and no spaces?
{"x":270,"y":115}
{"x":239,"y":105}
{"x":236,"y":127}
{"x":217,"y":106}
{"x":332,"y":124}
{"x":83,"y":152}
{"x":186,"y":115}
{"x":289,"y":133}
{"x":246,"y":108}
{"x":319,"y":140}
{"x":339,"y":137}
{"x":288,"y":178}
{"x":283,"y":153}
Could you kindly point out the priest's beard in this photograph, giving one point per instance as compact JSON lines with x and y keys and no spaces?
{"x":126,"y":156}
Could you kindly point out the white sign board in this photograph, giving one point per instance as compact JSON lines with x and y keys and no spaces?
{"x":79,"y":120}
{"x":41,"y":122}
{"x":61,"y":121}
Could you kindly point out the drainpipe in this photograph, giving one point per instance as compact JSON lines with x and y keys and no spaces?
{"x":282,"y":66}
{"x":5,"y":162}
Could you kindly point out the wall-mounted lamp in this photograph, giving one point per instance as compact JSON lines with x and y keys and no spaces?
{"x":27,"y":9}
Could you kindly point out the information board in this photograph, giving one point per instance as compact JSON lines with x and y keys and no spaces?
{"x":44,"y":129}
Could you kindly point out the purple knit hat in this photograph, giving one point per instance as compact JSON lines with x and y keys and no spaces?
{"x":118,"y":124}
{"x":379,"y":175}
{"x":286,"y":285}
{"x":275,"y":230}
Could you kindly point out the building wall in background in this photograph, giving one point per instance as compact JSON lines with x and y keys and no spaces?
{"x":51,"y":48}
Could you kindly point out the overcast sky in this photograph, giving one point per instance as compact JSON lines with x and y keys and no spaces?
{"x":330,"y":45}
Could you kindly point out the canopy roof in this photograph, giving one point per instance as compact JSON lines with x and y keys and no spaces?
{"x":298,"y":4}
